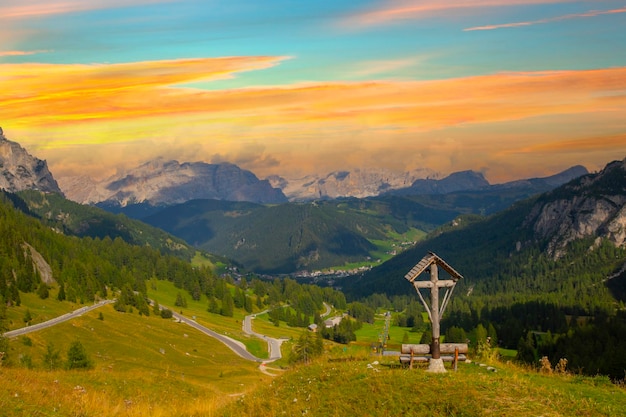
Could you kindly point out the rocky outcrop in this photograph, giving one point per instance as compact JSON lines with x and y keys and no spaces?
{"x":359,"y":183}
{"x":592,"y":206}
{"x":457,"y":181}
{"x":163,"y":182}
{"x":21,"y":171}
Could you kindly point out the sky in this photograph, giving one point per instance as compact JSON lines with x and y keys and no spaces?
{"x":511,"y":88}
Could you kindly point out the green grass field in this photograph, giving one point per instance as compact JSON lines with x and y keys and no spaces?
{"x":335,"y":387}
{"x":371,"y":333}
{"x":40,"y":310}
{"x":149,"y":366}
{"x":152,"y":363}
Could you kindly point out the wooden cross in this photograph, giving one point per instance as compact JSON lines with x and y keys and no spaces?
{"x":430,"y":262}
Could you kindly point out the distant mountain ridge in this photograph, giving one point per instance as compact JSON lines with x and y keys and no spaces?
{"x":21,"y":171}
{"x":359,"y":183}
{"x":167,"y":182}
{"x":475,"y":181}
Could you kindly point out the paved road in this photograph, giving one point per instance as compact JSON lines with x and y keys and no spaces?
{"x":56,"y":320}
{"x":327,"y":312}
{"x":234,"y":345}
{"x":273,"y":344}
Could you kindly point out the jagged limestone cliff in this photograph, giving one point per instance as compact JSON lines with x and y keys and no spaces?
{"x":21,"y":171}
{"x":593,"y":205}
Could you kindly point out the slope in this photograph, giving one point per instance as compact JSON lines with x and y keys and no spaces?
{"x":86,"y":221}
{"x":290,"y":237}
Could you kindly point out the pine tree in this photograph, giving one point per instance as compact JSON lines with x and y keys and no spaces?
{"x":61,"y":294}
{"x":77,"y":357}
{"x":27,"y":317}
{"x":228,"y":305}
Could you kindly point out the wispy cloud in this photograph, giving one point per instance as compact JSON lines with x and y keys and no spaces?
{"x":378,"y":67}
{"x":15,"y":9}
{"x":418,"y":9}
{"x":591,"y":13}
{"x":21,"y":53}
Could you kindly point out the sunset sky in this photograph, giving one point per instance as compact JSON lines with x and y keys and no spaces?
{"x":512,"y":88}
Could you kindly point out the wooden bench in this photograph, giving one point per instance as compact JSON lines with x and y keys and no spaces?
{"x":450,"y":352}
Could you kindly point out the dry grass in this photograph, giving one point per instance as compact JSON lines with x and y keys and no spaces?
{"x":143,"y":366}
{"x":354,"y":388}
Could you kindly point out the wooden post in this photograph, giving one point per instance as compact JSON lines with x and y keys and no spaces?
{"x":456,"y":358}
{"x":434,"y":311}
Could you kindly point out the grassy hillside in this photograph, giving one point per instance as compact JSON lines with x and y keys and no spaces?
{"x":141,"y":366}
{"x":148,"y":366}
{"x":345,"y":388}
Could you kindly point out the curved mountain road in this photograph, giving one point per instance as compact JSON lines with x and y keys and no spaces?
{"x":273,"y":344}
{"x":234,"y":345}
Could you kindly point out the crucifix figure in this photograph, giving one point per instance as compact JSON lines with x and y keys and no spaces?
{"x":430,"y":263}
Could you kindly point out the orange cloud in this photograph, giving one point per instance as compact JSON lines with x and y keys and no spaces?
{"x":20,"y":53}
{"x":591,"y":13}
{"x":42,"y":94}
{"x":63,"y":111}
{"x":55,"y":94}
{"x":13,"y":9}
{"x":417,"y":9}
{"x":575,"y":145}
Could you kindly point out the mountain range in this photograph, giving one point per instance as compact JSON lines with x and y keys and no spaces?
{"x":359,"y":183}
{"x":165,"y":183}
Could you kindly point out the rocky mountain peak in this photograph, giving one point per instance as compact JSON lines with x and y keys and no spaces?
{"x":359,"y":183}
{"x":592,"y":205}
{"x":167,"y":182}
{"x":21,"y":171}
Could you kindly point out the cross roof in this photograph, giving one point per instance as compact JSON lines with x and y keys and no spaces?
{"x":426,"y":262}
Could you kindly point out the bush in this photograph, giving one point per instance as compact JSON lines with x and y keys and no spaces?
{"x":166,"y":313}
{"x":52,"y":357}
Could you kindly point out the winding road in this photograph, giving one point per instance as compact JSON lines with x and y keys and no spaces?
{"x":234,"y":345}
{"x":273,"y":344}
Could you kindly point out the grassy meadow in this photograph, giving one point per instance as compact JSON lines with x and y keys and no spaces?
{"x":141,"y":366}
{"x":357,"y":385}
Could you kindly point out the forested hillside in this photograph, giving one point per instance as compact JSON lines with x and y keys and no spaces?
{"x":80,"y":220}
{"x":83,"y":268}
{"x":290,"y":237}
